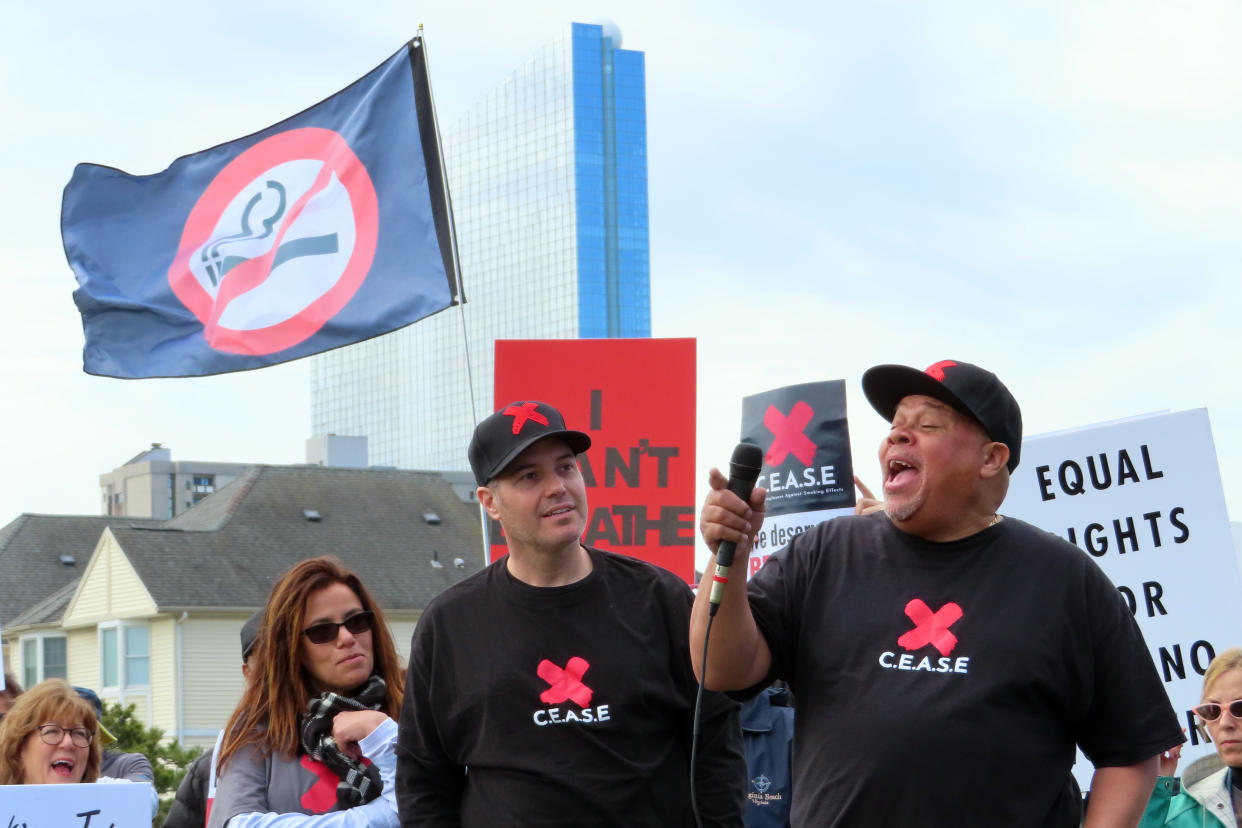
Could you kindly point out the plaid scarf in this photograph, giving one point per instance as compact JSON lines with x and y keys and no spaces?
{"x":360,"y":783}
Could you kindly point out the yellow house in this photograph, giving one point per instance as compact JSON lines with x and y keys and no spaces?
{"x":155,"y":617}
{"x":42,"y":558}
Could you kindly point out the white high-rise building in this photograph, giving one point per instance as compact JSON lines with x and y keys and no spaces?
{"x":548,"y":179}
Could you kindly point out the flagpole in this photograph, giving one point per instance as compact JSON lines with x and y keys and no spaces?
{"x":420,"y":42}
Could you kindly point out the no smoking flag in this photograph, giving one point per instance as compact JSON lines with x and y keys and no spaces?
{"x":330,"y":227}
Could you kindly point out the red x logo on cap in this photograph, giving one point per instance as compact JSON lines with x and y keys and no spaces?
{"x":566,"y":684}
{"x":931,"y":628}
{"x":787,"y":434}
{"x":523,"y":413}
{"x":936,"y":371}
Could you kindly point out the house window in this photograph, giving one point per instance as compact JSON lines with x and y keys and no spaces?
{"x":107,"y":655}
{"x":125,"y":655}
{"x":137,"y":656}
{"x":43,"y":657}
{"x":54,"y":661}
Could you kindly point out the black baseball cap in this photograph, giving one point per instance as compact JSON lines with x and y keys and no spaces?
{"x":250,"y":632}
{"x":499,"y":439}
{"x":968,"y":388}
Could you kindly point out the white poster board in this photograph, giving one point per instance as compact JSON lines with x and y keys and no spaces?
{"x":86,"y":805}
{"x":779,"y":530}
{"x":1143,"y":497}
{"x":1236,"y":526}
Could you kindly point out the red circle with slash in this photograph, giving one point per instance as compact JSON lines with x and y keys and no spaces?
{"x":306,"y":143}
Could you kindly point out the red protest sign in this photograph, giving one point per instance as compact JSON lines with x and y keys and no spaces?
{"x":636,"y":399}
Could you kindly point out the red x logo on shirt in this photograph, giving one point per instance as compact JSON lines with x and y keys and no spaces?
{"x":567,"y":683}
{"x":931,"y":628}
{"x":320,"y":797}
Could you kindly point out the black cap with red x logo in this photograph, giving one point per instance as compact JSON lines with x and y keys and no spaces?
{"x":968,"y":388}
{"x":499,"y":439}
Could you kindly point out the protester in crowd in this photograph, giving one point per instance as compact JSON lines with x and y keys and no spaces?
{"x":554,"y":687}
{"x":767,"y":734}
{"x":9,"y":694}
{"x":1216,"y":799}
{"x":946,"y":659}
{"x":315,"y":729}
{"x":197,"y":790}
{"x":48,"y":736}
{"x":115,"y":765}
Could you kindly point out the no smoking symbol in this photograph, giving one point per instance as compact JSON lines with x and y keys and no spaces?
{"x":278,"y":243}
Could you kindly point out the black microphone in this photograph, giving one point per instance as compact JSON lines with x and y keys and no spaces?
{"x":744,"y":468}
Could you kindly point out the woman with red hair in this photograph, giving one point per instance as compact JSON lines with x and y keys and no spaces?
{"x":315,"y":729}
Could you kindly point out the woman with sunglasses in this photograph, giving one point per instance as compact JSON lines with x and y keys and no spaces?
{"x":311,"y":742}
{"x":48,"y":737}
{"x":1210,"y":801}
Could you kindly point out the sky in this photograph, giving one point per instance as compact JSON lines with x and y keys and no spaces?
{"x":1052,"y":190}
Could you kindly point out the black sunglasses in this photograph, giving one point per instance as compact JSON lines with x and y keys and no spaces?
{"x":1211,"y":711}
{"x":326,"y":631}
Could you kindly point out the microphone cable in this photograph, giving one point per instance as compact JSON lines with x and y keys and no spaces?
{"x":698,"y":718}
{"x":744,"y":467}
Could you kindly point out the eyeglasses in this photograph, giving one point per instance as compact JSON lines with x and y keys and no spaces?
{"x":52,"y":734}
{"x":1211,"y":711}
{"x":326,"y":631}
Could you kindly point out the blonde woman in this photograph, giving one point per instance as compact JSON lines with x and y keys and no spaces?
{"x":1210,"y":802}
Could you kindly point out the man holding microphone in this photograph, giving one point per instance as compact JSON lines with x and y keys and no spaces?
{"x":946,"y":659}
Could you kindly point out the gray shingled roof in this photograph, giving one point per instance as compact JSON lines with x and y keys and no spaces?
{"x":30,"y":550}
{"x":227,"y":551}
{"x":50,"y":610}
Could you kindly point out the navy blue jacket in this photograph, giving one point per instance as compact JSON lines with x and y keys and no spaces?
{"x":767,"y":735}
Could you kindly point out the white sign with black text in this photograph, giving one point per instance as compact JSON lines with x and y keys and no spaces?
{"x":85,"y":805}
{"x":1143,"y":497}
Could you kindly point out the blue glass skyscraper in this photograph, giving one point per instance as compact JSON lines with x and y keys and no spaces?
{"x":610,"y":164}
{"x":548,"y":175}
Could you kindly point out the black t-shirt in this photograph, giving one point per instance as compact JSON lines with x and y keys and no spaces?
{"x":948,"y":683}
{"x":563,"y":706}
